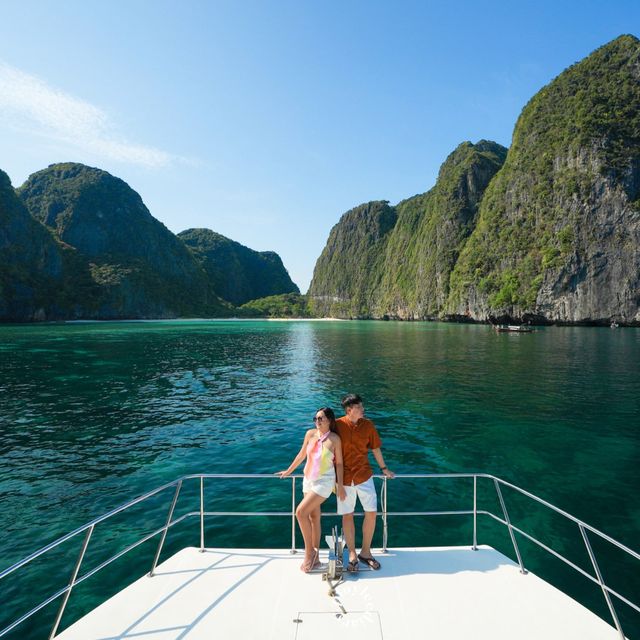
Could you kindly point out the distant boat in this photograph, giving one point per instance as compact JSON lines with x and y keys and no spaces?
{"x":614,"y":325}
{"x":515,"y":328}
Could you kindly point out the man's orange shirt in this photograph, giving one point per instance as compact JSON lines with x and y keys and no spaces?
{"x":356,"y":441}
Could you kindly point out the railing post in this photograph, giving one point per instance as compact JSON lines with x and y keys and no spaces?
{"x":201,"y":514}
{"x":475,"y":512}
{"x":166,"y":528}
{"x":596,"y":568}
{"x":506,"y":517}
{"x":74,"y":575}
{"x":293,"y":515}
{"x":385,"y":531}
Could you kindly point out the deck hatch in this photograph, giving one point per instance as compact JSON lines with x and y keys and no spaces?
{"x":355,"y":625}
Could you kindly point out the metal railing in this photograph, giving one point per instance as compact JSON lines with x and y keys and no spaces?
{"x":89,"y":528}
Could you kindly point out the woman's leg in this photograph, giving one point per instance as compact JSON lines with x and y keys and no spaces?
{"x":307,"y":506}
{"x":316,"y":529}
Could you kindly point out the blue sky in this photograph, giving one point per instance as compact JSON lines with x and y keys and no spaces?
{"x":265,"y":121}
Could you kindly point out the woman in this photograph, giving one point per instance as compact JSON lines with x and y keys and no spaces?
{"x":323,"y":451}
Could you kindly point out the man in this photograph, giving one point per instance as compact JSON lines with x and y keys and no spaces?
{"x":358,"y":436}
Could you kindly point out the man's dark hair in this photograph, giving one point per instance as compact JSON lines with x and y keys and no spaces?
{"x":350,"y":399}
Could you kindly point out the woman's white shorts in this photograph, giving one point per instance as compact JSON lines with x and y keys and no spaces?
{"x":323,"y":486}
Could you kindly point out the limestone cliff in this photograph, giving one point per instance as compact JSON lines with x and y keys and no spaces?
{"x":238,"y":274}
{"x":383,"y":261}
{"x":549,"y":231}
{"x":128,"y":264}
{"x":431,"y":230}
{"x":558,"y":233}
{"x":31,"y":262}
{"x":347,"y":274}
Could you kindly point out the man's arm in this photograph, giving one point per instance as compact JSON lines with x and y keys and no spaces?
{"x":377,"y":454}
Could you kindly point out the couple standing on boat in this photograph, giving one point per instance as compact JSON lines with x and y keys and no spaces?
{"x":337,"y":457}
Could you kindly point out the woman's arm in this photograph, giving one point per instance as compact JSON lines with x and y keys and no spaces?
{"x":342,"y":494}
{"x":302,"y":454}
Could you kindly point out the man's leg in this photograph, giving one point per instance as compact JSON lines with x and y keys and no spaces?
{"x":368,"y":529}
{"x":345,"y":509}
{"x":349,"y":529}
{"x":369,"y":500}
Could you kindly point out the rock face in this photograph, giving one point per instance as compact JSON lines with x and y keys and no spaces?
{"x":238,"y":274}
{"x":348,"y":272}
{"x":383,"y":261}
{"x":127,"y":263}
{"x":432,"y":229}
{"x":79,"y":243}
{"x":550,"y":233}
{"x":31,"y":262}
{"x":558,"y":232}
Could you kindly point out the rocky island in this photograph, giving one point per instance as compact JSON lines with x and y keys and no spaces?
{"x":79,"y":243}
{"x":548,"y":231}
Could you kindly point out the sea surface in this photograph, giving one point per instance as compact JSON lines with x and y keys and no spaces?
{"x":95,"y":414}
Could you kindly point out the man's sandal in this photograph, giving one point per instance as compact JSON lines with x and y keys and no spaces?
{"x":372,"y":562}
{"x":352,"y":567}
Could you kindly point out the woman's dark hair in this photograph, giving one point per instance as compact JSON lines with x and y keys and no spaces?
{"x":330,"y":416}
{"x":350,"y":399}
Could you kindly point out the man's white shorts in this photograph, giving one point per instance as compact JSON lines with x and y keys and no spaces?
{"x":365,"y":491}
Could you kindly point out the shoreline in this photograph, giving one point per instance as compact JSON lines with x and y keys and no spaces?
{"x":540,"y":325}
{"x":195,"y":320}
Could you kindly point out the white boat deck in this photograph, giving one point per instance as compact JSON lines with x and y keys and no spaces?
{"x":444,"y":592}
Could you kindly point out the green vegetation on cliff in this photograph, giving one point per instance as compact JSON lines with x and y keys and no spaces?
{"x":348,"y":271}
{"x":122,"y":263}
{"x":431,"y":230}
{"x":395,"y":261}
{"x":77,"y":242}
{"x":549,"y":230}
{"x":238,"y":274}
{"x":574,"y":161}
{"x":30,"y":261}
{"x":285,"y":305}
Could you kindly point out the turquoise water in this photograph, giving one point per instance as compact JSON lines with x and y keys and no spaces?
{"x":94,"y":414}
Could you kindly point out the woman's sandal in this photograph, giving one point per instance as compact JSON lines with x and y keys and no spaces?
{"x":372,"y":562}
{"x":352,"y":567}
{"x":308,"y":565}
